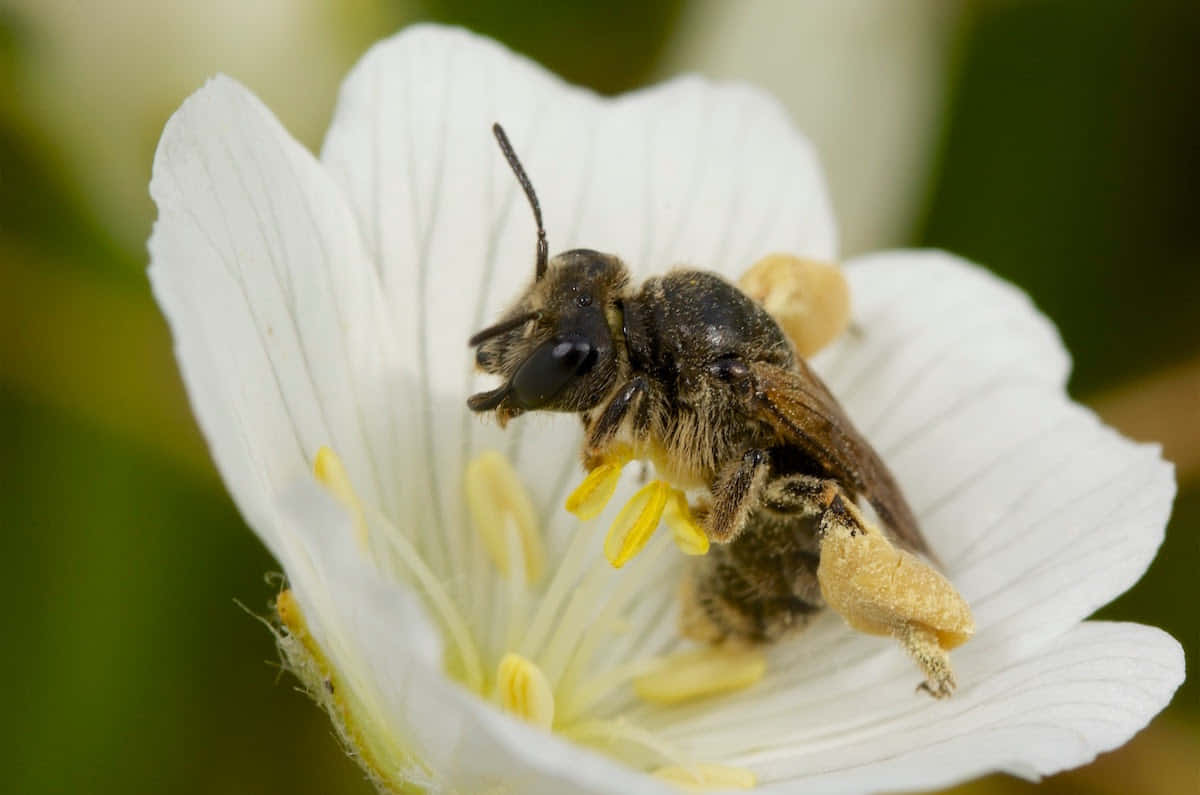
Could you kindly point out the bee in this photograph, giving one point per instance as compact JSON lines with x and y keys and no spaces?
{"x":688,"y":371}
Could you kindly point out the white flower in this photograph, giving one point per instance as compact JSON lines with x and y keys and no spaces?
{"x":327,"y":303}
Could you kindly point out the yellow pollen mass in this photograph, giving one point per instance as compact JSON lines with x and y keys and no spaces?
{"x":331,"y":473}
{"x":882,"y":590}
{"x":589,"y":497}
{"x":499,"y":505}
{"x":635,"y":523}
{"x":523,"y":690}
{"x":809,"y":299}
{"x":706,"y":778}
{"x":705,"y":672}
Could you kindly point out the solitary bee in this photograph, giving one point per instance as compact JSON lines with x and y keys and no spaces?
{"x":691,"y":373}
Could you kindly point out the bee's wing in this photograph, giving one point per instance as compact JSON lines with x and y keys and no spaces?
{"x":799,"y":406}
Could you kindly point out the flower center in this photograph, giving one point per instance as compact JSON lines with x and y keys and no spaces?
{"x":577,"y":653}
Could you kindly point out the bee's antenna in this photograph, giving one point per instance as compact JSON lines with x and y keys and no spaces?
{"x":511,"y":156}
{"x":500,"y":328}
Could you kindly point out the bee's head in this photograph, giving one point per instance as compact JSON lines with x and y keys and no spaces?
{"x":555,"y":347}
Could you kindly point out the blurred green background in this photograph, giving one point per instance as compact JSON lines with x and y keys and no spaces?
{"x":1055,"y":141}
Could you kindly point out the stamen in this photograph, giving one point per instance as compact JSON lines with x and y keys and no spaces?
{"x":523,"y":690}
{"x":331,"y":473}
{"x":635,"y":523}
{"x":577,"y":697}
{"x":706,"y":778}
{"x":690,"y":539}
{"x":589,"y":497}
{"x":562,"y":585}
{"x":407,"y":558}
{"x":497,"y":500}
{"x":575,"y":620}
{"x":699,"y":674}
{"x":610,"y":732}
{"x":517,"y":596}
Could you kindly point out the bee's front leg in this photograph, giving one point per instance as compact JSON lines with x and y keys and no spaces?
{"x":628,"y":400}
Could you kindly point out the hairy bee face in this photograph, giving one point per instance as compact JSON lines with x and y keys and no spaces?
{"x":556,"y":347}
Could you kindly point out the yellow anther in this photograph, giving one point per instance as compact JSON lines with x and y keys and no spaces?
{"x":635,"y":523}
{"x":523,"y":690}
{"x":331,"y":473}
{"x":590,"y":496}
{"x":692,"y":675}
{"x":688,"y":535}
{"x":500,"y":505}
{"x":706,"y":778}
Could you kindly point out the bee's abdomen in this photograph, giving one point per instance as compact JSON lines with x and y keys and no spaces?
{"x":756,"y":589}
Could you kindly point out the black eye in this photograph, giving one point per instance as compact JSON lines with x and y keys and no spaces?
{"x":544,"y":374}
{"x":583,"y":300}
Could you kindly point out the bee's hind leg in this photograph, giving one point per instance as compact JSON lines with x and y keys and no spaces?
{"x":922,"y":645}
{"x":882,"y":590}
{"x":739,"y":487}
{"x":799,"y":495}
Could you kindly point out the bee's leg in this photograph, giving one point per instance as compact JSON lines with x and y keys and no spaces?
{"x":799,"y":495}
{"x":629,"y":399}
{"x":922,"y":645}
{"x":734,"y":494}
{"x":875,"y":587}
{"x":882,"y":590}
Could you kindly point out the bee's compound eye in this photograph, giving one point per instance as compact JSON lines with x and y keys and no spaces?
{"x":583,"y":300}
{"x":544,"y":374}
{"x":729,"y":369}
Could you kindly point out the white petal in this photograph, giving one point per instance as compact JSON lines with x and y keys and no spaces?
{"x":1039,"y":513}
{"x":279,"y":328}
{"x":375,"y":634}
{"x":687,"y":172}
{"x":929,"y":329}
{"x":1089,"y":692}
{"x":852,"y":720}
